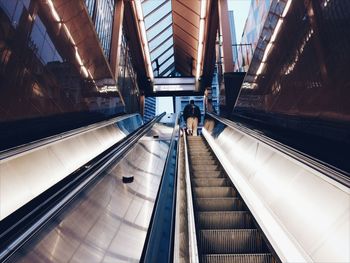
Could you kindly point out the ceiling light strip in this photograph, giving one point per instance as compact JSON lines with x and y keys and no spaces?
{"x":270,"y":45}
{"x":201,"y":37}
{"x":57,"y":18}
{"x":138,"y":9}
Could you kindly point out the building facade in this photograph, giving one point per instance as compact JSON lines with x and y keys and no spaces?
{"x":150,"y":108}
{"x":52,"y":70}
{"x":258,"y":12}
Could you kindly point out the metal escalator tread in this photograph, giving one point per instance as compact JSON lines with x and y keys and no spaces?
{"x":237,"y":258}
{"x":210,"y":182}
{"x":225,"y":220}
{"x":225,"y":229}
{"x":212,"y":192}
{"x":219,"y":204}
{"x":206,"y":175}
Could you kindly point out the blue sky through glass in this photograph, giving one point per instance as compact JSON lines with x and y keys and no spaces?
{"x":158,"y":23}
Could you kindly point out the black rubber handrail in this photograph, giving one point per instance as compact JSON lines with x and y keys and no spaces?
{"x":332,"y":172}
{"x":48,"y":140}
{"x":14,"y":236}
{"x":159,"y":243}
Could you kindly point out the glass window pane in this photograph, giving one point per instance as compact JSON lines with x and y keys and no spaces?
{"x":155,"y":16}
{"x":150,"y":5}
{"x":9,"y":7}
{"x":160,"y":50}
{"x":166,"y":64}
{"x":168,"y":72}
{"x":165,"y":56}
{"x":151,"y":33}
{"x":159,"y":39}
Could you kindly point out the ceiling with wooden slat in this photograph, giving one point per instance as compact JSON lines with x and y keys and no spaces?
{"x":172,"y":29}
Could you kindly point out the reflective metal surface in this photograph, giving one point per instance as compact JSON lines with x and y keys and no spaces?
{"x":33,"y":169}
{"x":300,"y":64}
{"x":109,"y":221}
{"x":286,"y":194}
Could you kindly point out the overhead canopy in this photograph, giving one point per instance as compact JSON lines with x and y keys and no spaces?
{"x":172,"y":30}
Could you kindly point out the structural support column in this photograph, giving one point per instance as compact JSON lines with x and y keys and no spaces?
{"x":226,"y":36}
{"x":117,"y":36}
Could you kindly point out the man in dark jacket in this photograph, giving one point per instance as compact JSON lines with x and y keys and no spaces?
{"x":192,"y":116}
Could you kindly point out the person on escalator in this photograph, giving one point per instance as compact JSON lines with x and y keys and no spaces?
{"x":192,"y":116}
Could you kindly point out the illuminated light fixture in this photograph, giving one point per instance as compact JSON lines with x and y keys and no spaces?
{"x":286,"y":8}
{"x":273,"y":37}
{"x":267,"y":50}
{"x":143,"y":32}
{"x":138,"y":10}
{"x":70,"y":37}
{"x":84,"y":71}
{"x":53,"y":11}
{"x":203,"y":8}
{"x":90,"y":74}
{"x":201,"y":37}
{"x":78,"y":58}
{"x":261,"y":68}
{"x":277,"y":29}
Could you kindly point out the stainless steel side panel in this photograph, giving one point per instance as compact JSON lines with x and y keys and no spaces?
{"x":109,"y":221}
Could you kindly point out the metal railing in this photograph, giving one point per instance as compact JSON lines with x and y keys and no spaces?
{"x":193,"y":248}
{"x":64,"y":135}
{"x":326,"y":169}
{"x":16,"y":231}
{"x":159,"y":243}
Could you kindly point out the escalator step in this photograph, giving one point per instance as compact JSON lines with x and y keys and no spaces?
{"x":205,"y":174}
{"x":219,"y":204}
{"x":205,"y":167}
{"x":237,"y":258}
{"x":211,"y":182}
{"x":199,"y":155}
{"x":225,"y":220}
{"x":203,"y":161}
{"x":231,"y":241}
{"x":198,"y":147}
{"x":194,"y":138}
{"x":213,"y":192}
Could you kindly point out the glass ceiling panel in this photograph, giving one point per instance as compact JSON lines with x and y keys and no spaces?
{"x":150,"y":5}
{"x":152,"y":32}
{"x":158,"y":51}
{"x":154,"y":64}
{"x":169,"y":71}
{"x":166,"y":64}
{"x":165,"y":56}
{"x":154,"y":17}
{"x":159,"y":39}
{"x":158,"y":24}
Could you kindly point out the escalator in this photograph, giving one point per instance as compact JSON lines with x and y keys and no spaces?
{"x":226,"y":230}
{"x":102,"y":217}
